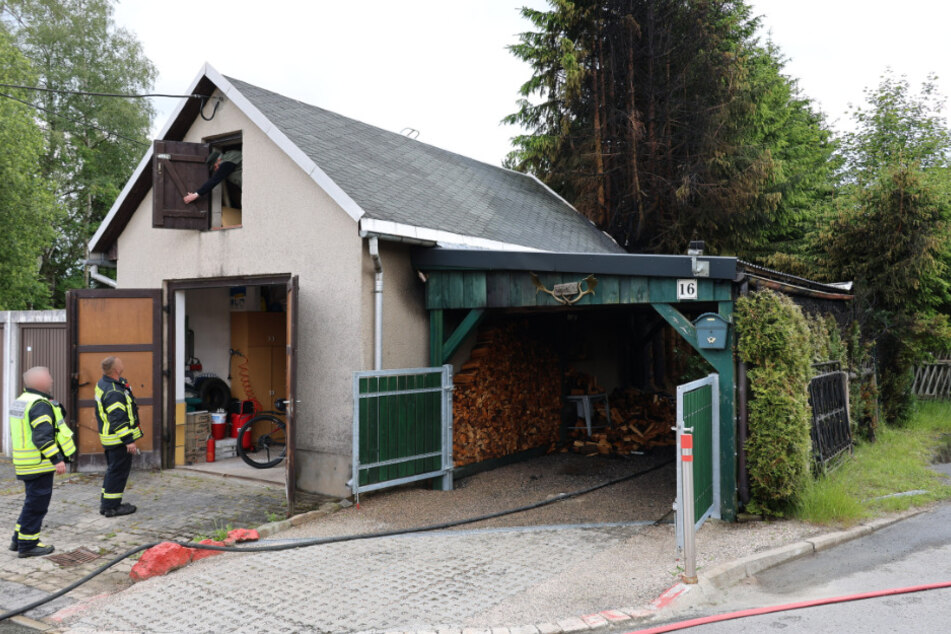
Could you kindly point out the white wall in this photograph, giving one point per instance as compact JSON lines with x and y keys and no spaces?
{"x":209,"y":316}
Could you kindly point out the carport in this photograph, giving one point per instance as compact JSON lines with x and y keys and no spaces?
{"x":465,"y":287}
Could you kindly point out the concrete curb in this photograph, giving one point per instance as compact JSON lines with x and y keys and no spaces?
{"x":731,"y":572}
{"x":328,"y":508}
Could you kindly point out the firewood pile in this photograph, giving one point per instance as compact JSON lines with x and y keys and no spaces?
{"x":639,"y":420}
{"x":507,"y":396}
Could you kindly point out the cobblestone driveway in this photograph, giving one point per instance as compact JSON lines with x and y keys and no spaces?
{"x":426,"y":581}
{"x":172,"y":505}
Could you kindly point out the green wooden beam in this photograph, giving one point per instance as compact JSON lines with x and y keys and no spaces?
{"x":459,"y":335}
{"x":722,"y":361}
{"x":451,"y":290}
{"x":435,"y":337}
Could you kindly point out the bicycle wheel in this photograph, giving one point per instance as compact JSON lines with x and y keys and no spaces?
{"x":269,"y":448}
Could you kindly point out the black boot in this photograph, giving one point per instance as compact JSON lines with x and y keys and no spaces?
{"x":122,"y":509}
{"x":14,"y":543}
{"x":40,"y":550}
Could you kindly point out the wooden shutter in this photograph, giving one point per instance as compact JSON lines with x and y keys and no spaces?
{"x":179,"y":168}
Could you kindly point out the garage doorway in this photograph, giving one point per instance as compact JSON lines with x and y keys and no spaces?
{"x":231,"y":350}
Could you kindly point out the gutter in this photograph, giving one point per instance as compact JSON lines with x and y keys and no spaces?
{"x":797,"y":290}
{"x":374,"y":245}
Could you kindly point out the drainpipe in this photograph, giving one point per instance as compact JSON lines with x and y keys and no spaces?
{"x":94,"y":274}
{"x":374,"y":245}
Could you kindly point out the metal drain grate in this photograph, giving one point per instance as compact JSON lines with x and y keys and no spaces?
{"x":73,"y":557}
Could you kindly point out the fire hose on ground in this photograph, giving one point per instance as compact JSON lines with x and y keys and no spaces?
{"x":787,"y":607}
{"x":321,"y":541}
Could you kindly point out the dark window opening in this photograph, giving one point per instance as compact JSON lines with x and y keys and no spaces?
{"x":226,"y":195}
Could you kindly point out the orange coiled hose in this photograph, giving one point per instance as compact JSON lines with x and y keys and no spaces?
{"x":244,"y":374}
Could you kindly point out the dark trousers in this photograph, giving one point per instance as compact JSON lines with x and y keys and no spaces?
{"x":119,"y":463}
{"x":39,"y":492}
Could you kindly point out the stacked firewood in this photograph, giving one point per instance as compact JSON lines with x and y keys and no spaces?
{"x":507,"y":397}
{"x":639,"y":421}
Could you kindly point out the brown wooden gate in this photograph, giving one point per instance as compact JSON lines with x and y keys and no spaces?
{"x":125,"y":323}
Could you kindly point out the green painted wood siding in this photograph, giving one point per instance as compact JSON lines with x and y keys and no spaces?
{"x":515,"y":289}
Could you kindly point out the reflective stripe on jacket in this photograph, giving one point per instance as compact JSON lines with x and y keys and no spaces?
{"x":28,"y":458}
{"x":116,"y":413}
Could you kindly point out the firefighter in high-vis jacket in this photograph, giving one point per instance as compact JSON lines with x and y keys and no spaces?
{"x":42,"y":443}
{"x":118,"y":418}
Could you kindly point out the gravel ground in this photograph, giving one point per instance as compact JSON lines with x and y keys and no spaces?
{"x":648,"y":497}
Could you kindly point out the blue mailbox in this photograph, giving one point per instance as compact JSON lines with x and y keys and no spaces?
{"x":711,"y":331}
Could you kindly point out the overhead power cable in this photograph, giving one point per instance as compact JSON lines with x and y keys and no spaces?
{"x":64,"y":91}
{"x":76,"y":121}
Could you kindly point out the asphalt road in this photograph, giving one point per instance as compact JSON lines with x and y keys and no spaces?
{"x":913,"y":552}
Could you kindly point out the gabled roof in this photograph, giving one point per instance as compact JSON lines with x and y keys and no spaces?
{"x":393,"y":185}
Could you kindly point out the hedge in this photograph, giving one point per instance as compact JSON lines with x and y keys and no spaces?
{"x":774,"y":339}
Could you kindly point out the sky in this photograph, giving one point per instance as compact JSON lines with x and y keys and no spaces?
{"x":442,"y":68}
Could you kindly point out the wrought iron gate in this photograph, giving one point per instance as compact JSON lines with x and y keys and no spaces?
{"x":831,"y":428}
{"x":698,"y":411}
{"x":402,"y":428}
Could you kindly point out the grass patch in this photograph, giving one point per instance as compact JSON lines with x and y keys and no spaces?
{"x":219,"y":534}
{"x":898,"y":462}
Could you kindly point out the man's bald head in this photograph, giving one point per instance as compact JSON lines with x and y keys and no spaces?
{"x":113,"y":366}
{"x":38,"y":378}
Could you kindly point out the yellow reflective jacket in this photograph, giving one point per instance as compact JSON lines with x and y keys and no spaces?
{"x":40,"y":439}
{"x":116,"y":413}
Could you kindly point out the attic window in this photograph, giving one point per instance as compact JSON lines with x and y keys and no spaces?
{"x":226,"y":195}
{"x":193,"y":191}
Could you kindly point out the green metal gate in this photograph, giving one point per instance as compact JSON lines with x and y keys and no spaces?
{"x":698,"y":412}
{"x":402,"y":428}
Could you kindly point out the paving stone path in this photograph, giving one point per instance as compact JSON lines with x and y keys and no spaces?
{"x":172,"y":505}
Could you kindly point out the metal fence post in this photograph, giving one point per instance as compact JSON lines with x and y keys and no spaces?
{"x":447,"y":464}
{"x":690,"y":545}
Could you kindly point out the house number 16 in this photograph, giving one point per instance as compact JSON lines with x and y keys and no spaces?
{"x":686,"y":289}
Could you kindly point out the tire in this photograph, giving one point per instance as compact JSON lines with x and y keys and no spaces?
{"x":271,"y":446}
{"x":214,"y":394}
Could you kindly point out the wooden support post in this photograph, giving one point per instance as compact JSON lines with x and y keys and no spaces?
{"x":722,"y":362}
{"x":435,"y":337}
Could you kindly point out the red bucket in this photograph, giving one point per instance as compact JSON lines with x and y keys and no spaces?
{"x":218,"y":430}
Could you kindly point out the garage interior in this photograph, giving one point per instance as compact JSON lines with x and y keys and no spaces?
{"x":234,"y":359}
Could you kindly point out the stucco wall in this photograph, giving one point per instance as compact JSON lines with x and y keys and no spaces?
{"x":289,"y":226}
{"x":405,"y":319}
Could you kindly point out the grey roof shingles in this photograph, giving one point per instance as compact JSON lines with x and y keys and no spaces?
{"x":402,"y":180}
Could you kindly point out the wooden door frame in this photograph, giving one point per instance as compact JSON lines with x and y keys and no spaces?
{"x":72,"y":337}
{"x":170,"y":287}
